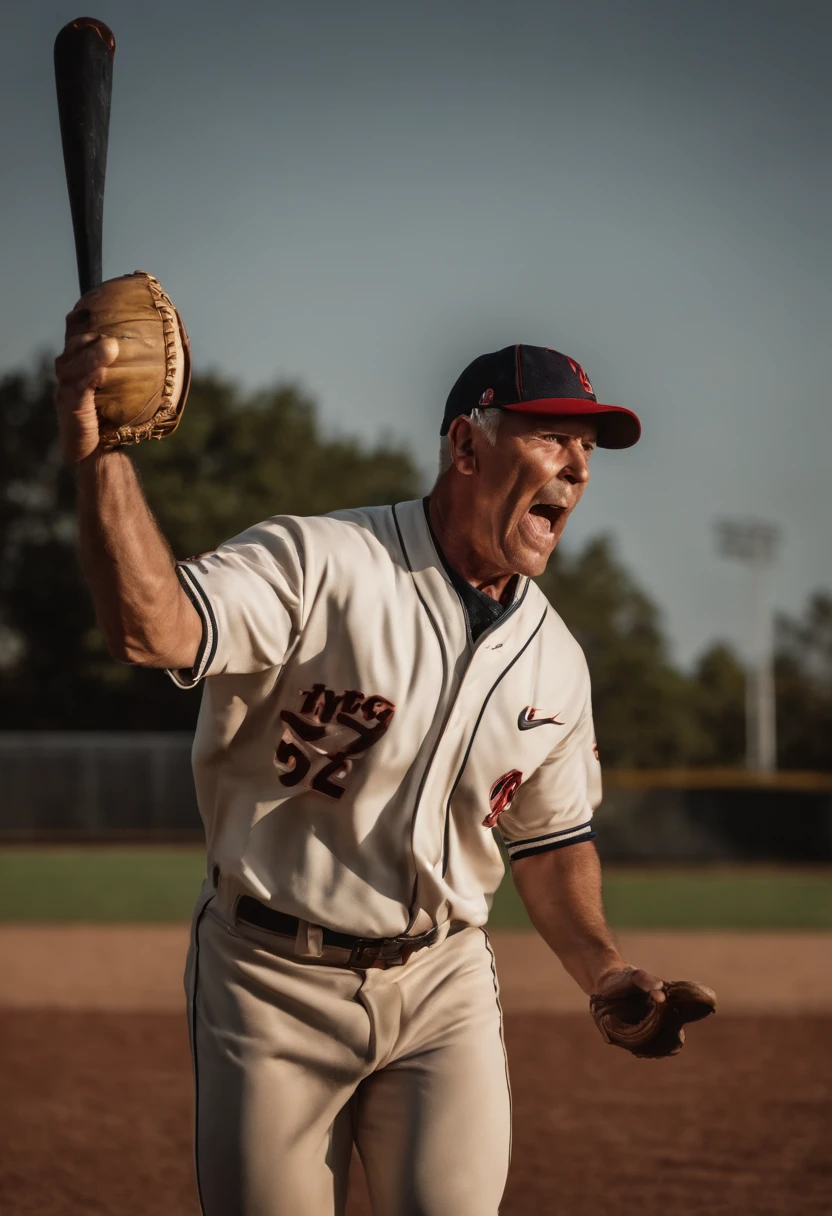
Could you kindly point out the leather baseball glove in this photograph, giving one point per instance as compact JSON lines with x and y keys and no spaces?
{"x":649,"y":1028}
{"x":145,"y":389}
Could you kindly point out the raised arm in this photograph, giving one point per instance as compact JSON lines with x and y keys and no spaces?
{"x":142,"y":610}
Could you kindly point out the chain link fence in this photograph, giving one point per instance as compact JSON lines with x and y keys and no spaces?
{"x":84,"y":785}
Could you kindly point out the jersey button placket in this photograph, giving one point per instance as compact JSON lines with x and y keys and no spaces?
{"x":445,"y":765}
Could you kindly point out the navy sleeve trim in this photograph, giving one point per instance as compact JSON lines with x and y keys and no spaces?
{"x":553,"y":840}
{"x":577,"y":827}
{"x":208,"y":645}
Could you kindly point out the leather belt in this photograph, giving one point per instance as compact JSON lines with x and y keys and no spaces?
{"x":363,"y":951}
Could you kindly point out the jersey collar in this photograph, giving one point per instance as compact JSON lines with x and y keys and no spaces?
{"x":432,"y":575}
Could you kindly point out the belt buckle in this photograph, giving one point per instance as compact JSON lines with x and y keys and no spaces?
{"x":389,"y":951}
{"x":367,"y":952}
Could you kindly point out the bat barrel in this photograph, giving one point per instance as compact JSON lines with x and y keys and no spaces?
{"x":84,"y":52}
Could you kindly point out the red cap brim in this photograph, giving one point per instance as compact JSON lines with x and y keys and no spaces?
{"x":617,"y":427}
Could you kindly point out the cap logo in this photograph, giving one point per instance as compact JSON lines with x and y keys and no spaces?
{"x":487,"y":397}
{"x":582,"y":376}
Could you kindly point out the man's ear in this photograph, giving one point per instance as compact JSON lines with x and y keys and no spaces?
{"x":461,"y":440}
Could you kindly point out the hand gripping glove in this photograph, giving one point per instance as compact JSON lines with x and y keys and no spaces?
{"x":144,"y":392}
{"x":649,"y":1028}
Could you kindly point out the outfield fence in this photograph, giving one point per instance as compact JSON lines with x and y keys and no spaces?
{"x":86,"y":785}
{"x":111,"y":787}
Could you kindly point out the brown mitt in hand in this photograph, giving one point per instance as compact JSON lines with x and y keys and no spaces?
{"x":650,"y":1028}
{"x":144,"y":392}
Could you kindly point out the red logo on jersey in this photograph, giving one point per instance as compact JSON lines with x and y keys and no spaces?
{"x":321,"y":743}
{"x":582,"y":376}
{"x":501,"y":796}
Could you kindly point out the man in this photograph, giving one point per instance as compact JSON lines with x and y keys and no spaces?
{"x":381,"y":689}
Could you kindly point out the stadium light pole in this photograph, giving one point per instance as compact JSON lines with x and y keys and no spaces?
{"x":754,"y":543}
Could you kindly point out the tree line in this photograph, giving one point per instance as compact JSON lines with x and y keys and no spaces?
{"x":240,"y":458}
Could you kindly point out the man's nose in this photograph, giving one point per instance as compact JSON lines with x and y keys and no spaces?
{"x":576,"y":469}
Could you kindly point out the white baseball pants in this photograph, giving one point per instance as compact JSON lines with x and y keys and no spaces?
{"x":295,"y":1061}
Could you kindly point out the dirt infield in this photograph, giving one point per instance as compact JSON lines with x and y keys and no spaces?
{"x":96,"y":1119}
{"x":96,"y":1110}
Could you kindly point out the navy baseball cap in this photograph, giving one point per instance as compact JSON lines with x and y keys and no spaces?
{"x":538,"y":380}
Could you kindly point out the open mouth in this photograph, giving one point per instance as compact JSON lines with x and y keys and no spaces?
{"x":546,"y":516}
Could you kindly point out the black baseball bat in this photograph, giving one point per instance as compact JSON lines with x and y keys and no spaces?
{"x":84,"y":52}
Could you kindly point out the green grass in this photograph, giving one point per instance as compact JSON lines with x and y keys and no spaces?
{"x":708,"y":899}
{"x":141,"y":884}
{"x":99,"y":884}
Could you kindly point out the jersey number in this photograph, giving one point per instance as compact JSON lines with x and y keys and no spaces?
{"x":298,"y":764}
{"x":316,"y":751}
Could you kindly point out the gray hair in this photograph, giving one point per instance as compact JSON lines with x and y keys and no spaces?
{"x":487,"y":421}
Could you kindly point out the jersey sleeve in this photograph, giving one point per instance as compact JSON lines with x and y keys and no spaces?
{"x":554,"y":807}
{"x":249,"y":595}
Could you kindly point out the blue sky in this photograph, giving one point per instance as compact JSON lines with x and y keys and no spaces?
{"x":361,"y":198}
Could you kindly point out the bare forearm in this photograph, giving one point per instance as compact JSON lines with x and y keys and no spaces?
{"x":562,"y":893}
{"x":142,"y":610}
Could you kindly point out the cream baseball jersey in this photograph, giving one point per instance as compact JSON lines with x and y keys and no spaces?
{"x":355,"y":748}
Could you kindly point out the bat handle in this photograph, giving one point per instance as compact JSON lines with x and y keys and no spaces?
{"x":84,"y":52}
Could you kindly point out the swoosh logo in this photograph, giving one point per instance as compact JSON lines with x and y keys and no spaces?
{"x":527,"y":719}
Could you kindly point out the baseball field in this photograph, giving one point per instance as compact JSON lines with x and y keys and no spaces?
{"x":94,"y":1058}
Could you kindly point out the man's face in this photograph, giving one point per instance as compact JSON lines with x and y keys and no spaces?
{"x":523,"y":488}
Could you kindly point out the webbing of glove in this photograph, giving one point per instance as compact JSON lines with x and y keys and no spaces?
{"x":648,"y":1028}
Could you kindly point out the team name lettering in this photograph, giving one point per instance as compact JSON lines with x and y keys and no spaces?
{"x":329,"y":733}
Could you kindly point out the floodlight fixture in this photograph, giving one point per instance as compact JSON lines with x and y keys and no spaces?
{"x":755,"y":542}
{"x":748,"y":540}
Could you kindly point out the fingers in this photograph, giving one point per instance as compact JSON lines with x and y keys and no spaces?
{"x":82,"y":342}
{"x":85,"y":357}
{"x":648,"y":983}
{"x":80,"y":370}
{"x":73,"y":346}
{"x":621,"y":982}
